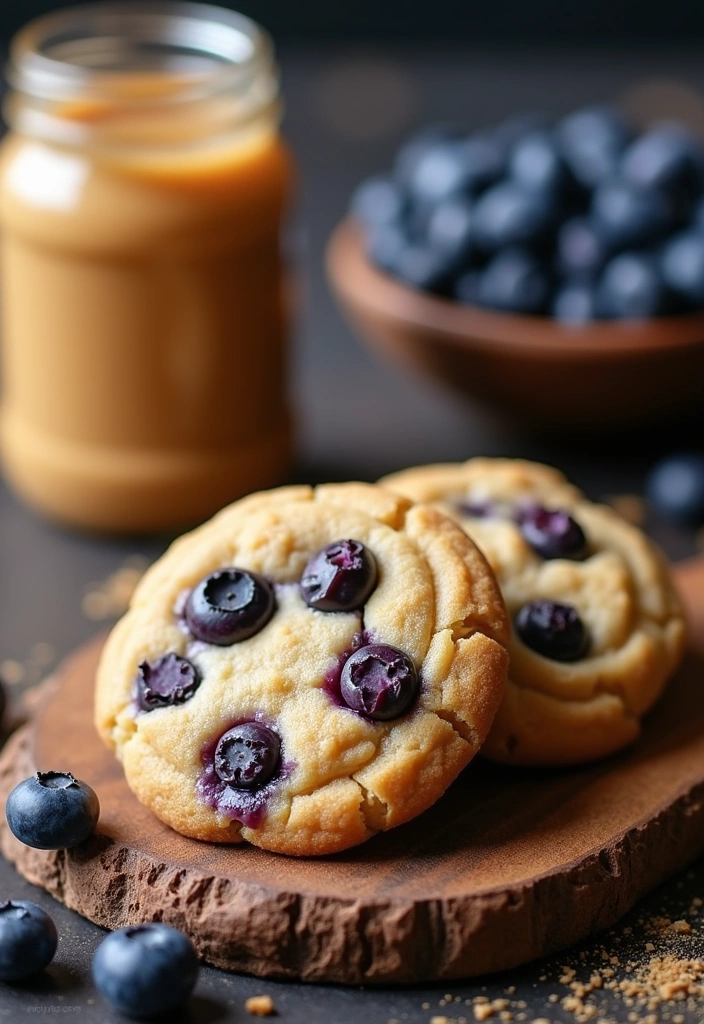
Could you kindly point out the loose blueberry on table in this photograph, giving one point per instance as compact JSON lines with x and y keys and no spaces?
{"x":145,"y":970}
{"x":28,"y":940}
{"x":339,"y":578}
{"x":169,"y":680}
{"x":553,"y":629}
{"x":52,"y":811}
{"x":607,"y":223}
{"x":675,"y":486}
{"x":379,"y":682}
{"x":228,"y":606}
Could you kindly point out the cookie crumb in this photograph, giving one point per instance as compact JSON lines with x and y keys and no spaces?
{"x":260,"y":1006}
{"x":439,"y":1020}
{"x":482,"y":1011}
{"x":681,"y":927}
{"x":110,"y":598}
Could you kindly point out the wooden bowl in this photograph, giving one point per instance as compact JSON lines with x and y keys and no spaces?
{"x":598,"y":375}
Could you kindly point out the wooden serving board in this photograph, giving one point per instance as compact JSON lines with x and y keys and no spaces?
{"x":509,"y":865}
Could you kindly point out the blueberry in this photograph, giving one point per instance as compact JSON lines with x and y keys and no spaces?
{"x":379,"y":682}
{"x":52,"y":811}
{"x":421,"y":267}
{"x":575,"y":302}
{"x":675,"y":485}
{"x":552,"y":629}
{"x":513,"y":281}
{"x":683,"y":265}
{"x":627,"y":215}
{"x":145,"y":970}
{"x":631,"y":287}
{"x":484,"y":161}
{"x":580,"y":247}
{"x":466,"y":287}
{"x":667,"y":158}
{"x":508,"y":214}
{"x":698,"y":215}
{"x":440,"y":171}
{"x":228,"y":606}
{"x":415,"y":148}
{"x":592,"y":141}
{"x":247,"y":756}
{"x":450,"y":229}
{"x":378,"y":201}
{"x":510,"y":132}
{"x":385,"y":245}
{"x":28,"y":940}
{"x":536,"y":163}
{"x":482,"y":509}
{"x":553,"y":533}
{"x":455,"y":166}
{"x":169,"y":680}
{"x":339,"y":578}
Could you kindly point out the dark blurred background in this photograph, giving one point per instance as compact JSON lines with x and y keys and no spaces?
{"x":630,"y":22}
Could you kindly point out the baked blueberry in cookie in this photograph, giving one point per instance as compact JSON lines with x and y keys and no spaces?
{"x":597,"y":626}
{"x":229,"y":606}
{"x":379,"y":681}
{"x":307,"y":669}
{"x":553,"y":629}
{"x":168,"y":680}
{"x":247,"y":756}
{"x":339,"y":578}
{"x":552,"y":533}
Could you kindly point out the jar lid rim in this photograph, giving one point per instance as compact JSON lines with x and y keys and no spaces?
{"x":40,"y":55}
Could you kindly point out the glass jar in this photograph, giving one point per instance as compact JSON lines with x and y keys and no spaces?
{"x":142,"y":189}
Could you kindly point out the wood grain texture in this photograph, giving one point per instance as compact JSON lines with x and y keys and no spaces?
{"x":509,"y":865}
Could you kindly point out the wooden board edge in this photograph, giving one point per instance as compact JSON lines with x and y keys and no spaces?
{"x":293,"y":936}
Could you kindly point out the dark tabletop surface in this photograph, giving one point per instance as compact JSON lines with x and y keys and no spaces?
{"x":347,"y":110}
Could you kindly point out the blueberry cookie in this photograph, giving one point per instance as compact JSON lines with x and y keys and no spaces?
{"x":597,"y":626}
{"x":308,"y":668}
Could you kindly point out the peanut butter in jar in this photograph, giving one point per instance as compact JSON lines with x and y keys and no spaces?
{"x":143,"y":185}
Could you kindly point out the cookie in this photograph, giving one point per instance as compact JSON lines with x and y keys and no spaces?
{"x":597,"y":626}
{"x":308,"y":668}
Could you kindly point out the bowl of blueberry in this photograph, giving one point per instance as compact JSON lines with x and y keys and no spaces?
{"x":552,"y":269}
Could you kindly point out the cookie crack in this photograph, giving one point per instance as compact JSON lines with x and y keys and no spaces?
{"x":464,"y":629}
{"x":461,"y":629}
{"x":373,"y":810}
{"x":463,"y":729}
{"x":315,"y":786}
{"x":619,"y":693}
